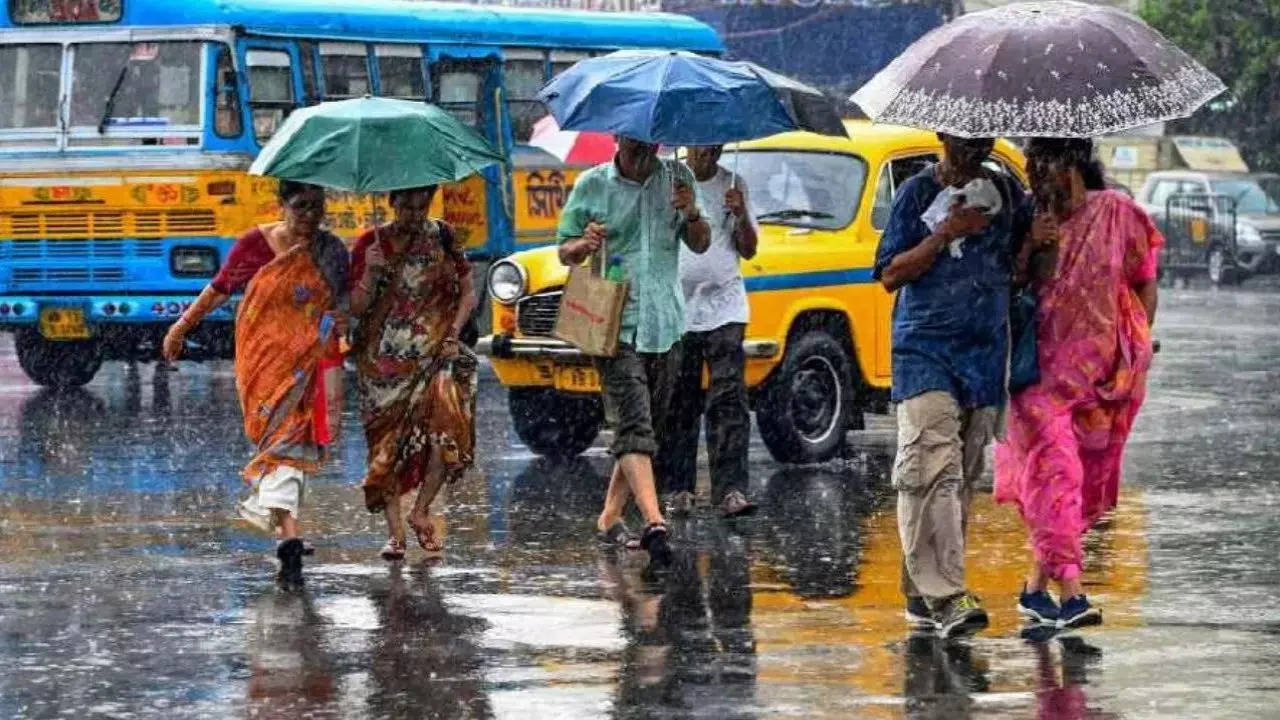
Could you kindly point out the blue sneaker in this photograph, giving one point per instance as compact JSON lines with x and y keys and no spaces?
{"x":1077,"y":613}
{"x":1038,"y":606}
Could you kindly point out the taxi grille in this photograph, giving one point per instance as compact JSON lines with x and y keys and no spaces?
{"x":536,"y":314}
{"x":107,"y":223}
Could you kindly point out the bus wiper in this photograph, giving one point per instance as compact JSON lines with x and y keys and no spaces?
{"x":795,"y":213}
{"x":111,"y":99}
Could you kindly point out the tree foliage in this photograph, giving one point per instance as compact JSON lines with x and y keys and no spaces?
{"x":1239,"y":40}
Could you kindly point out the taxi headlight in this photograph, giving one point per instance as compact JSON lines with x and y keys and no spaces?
{"x":507,"y":282}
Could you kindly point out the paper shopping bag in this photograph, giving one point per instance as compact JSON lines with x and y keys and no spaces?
{"x":591,"y":312}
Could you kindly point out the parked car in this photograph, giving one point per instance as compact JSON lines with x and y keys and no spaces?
{"x":817,"y":345}
{"x":1226,"y":222}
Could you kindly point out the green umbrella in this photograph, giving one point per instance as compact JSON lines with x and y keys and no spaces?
{"x":374,"y":145}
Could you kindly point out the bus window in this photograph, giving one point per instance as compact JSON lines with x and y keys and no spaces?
{"x":30,"y":77}
{"x":270,"y":90}
{"x":136,"y":85}
{"x":561,"y":61}
{"x":400,"y":72}
{"x":525,"y":72}
{"x":346,"y":70}
{"x":457,"y":85}
{"x":226,"y":113}
{"x":310,"y":86}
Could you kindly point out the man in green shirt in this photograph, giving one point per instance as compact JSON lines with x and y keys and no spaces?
{"x":640,"y":209}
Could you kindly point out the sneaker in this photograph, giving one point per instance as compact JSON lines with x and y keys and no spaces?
{"x":680,"y":504}
{"x":918,"y":613}
{"x":655,"y":541}
{"x":1077,"y":613}
{"x":1038,"y":606}
{"x":290,"y":554}
{"x":735,"y":504}
{"x":961,"y":615}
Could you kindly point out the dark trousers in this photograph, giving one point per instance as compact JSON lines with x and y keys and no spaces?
{"x":725,"y":406}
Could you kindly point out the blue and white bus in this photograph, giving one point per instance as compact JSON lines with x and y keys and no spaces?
{"x":126,"y":128}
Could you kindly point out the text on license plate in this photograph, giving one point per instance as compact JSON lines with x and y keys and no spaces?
{"x":63,"y":324}
{"x":577,"y":379}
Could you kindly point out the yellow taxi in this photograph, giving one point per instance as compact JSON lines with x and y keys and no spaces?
{"x":817,"y":345}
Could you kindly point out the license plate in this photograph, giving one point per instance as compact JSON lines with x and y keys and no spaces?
{"x":63,"y":324}
{"x":577,"y":379}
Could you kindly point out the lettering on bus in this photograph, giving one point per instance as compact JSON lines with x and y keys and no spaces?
{"x":44,"y":12}
{"x":463,"y":208}
{"x":545,"y":195}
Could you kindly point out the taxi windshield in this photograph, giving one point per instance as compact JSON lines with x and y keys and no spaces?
{"x":803,"y":189}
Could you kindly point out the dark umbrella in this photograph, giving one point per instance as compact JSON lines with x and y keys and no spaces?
{"x":1053,"y":69}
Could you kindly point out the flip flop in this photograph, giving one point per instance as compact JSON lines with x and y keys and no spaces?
{"x":392,"y":550}
{"x":427,"y":539}
{"x":618,"y":535}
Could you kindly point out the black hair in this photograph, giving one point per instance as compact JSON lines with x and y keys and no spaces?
{"x":1072,"y":152}
{"x":395,"y":195}
{"x":447,"y":241}
{"x":290,"y":189}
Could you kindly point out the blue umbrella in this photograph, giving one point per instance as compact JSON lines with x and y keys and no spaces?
{"x":678,"y":98}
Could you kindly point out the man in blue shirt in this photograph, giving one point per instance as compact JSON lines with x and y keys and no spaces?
{"x":950,"y":354}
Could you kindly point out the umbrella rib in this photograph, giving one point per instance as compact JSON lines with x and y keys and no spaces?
{"x":653,"y":108}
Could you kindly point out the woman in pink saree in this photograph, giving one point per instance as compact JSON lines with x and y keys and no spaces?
{"x":1094,"y":271}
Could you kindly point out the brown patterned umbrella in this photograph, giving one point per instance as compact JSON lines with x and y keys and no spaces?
{"x":1051,"y":69}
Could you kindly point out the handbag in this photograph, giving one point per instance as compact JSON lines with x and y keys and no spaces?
{"x":1024,"y":361}
{"x":590,"y":316}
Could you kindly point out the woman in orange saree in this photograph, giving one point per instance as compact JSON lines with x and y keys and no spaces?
{"x":412,"y":295}
{"x":1061,"y":460}
{"x":288,"y":360}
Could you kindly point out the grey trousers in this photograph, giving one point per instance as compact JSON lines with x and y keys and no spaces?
{"x":941,"y":451}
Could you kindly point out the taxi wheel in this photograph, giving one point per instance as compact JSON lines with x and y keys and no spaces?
{"x":803,"y":410}
{"x":57,"y":364}
{"x":555,"y":424}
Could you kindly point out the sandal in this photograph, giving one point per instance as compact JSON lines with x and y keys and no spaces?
{"x":427,"y":538}
{"x":393,"y":550}
{"x":655,"y":541}
{"x":618,"y":535}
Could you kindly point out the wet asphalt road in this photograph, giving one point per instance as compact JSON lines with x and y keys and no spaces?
{"x":126,"y":591}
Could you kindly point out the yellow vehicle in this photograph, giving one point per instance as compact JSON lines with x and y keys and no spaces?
{"x":818,"y":342}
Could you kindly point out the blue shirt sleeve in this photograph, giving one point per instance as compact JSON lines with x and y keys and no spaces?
{"x":905,"y":229}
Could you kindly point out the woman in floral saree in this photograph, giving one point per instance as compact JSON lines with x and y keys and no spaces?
{"x":1060,"y":463}
{"x":288,"y":361}
{"x":412,"y":295}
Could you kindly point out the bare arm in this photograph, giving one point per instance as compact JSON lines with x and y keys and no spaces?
{"x":745,"y":238}
{"x":1149,"y":296}
{"x":576,"y":250}
{"x":208,"y":301}
{"x":697,"y":234}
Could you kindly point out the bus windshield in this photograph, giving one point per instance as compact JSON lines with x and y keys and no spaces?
{"x":113,"y":86}
{"x":136,"y":84}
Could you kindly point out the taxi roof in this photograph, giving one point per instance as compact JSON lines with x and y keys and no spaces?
{"x":868,"y":139}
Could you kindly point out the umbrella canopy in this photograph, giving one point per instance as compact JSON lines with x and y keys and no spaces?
{"x":572,"y":146}
{"x":374,"y":145}
{"x":1055,"y":69}
{"x":679,"y":98}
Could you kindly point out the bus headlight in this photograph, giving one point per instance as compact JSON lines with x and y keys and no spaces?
{"x":507,"y":282}
{"x":193,"y":261}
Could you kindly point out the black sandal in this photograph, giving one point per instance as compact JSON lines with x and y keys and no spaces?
{"x":618,"y":535}
{"x":655,"y":541}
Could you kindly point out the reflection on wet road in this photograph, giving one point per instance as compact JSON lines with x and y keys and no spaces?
{"x":126,"y":591}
